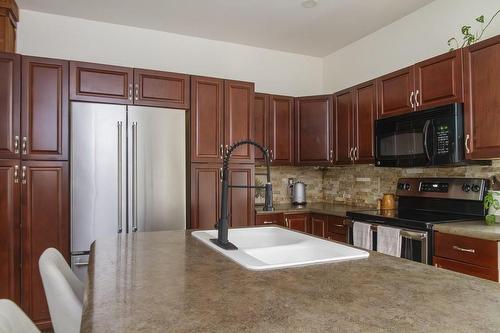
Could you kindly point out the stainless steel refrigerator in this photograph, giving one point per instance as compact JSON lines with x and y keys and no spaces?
{"x":128,"y":173}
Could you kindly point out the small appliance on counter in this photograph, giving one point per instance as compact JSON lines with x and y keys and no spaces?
{"x":298,"y":193}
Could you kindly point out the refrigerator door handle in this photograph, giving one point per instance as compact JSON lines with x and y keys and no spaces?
{"x":134,"y":176}
{"x":120,"y":176}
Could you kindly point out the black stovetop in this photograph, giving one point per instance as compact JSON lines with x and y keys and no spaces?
{"x":411,"y":218}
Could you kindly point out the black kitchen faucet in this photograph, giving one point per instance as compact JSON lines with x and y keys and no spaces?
{"x":222,"y":227}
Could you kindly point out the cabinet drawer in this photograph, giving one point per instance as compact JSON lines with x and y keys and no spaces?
{"x":466,"y":249}
{"x":469,"y":269}
{"x":338,"y":237}
{"x":266,"y":219}
{"x":336,"y":225}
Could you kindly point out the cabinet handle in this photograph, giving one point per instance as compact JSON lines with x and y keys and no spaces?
{"x":221,"y":152}
{"x":467,"y":138}
{"x":458,"y":248}
{"x":286,"y":222}
{"x":268,"y":222}
{"x":271,"y":155}
{"x":220,"y":174}
{"x":16,"y":144}
{"x":350,"y":153}
{"x":136,"y":91}
{"x":16,"y":174}
{"x":130,"y":92}
{"x":339,"y":225}
{"x":331,"y":155}
{"x":24,"y":146}
{"x":23,"y":175}
{"x":417,"y":104}
{"x":411,"y":100}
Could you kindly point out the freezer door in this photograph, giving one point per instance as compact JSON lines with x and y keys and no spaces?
{"x":157,"y":169}
{"x":98,"y":172}
{"x":79,"y":265}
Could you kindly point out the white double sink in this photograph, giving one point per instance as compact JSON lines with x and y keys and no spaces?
{"x":266,"y":248}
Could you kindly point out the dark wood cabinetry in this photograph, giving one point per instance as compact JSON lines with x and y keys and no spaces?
{"x":10,"y":98}
{"x":270,"y":218}
{"x":261,"y":124}
{"x":10,"y":215}
{"x":467,"y":255}
{"x":45,"y":223}
{"x":281,"y":130}
{"x":482,"y":99}
{"x":337,"y":231}
{"x":161,"y":89}
{"x":299,"y":222}
{"x":9,"y":16}
{"x":238,"y":118}
{"x":241,"y":200}
{"x":395,"y":92}
{"x":314,"y":130}
{"x":344,"y":111}
{"x":319,"y":225}
{"x":101,"y":83}
{"x":44,"y":109}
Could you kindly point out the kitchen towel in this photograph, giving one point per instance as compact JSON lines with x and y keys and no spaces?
{"x":389,"y":241}
{"x":362,"y":235}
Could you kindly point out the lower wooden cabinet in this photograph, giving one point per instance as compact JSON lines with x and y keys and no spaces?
{"x":299,"y":222}
{"x":472,"y":256}
{"x":336,"y":229}
{"x":206,"y":190}
{"x":45,"y":223}
{"x":269,"y":219}
{"x":319,"y":225}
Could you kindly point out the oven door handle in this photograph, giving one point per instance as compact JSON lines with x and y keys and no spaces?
{"x":426,"y":148}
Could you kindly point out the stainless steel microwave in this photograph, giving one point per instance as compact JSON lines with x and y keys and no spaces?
{"x":425,"y":138}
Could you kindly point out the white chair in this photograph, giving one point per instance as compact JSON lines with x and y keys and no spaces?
{"x":13,"y":319}
{"x":63,"y":290}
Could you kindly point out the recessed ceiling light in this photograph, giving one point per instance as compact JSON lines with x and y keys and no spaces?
{"x":309,"y":3}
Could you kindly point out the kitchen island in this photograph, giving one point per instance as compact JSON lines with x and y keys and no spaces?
{"x":171,"y":282}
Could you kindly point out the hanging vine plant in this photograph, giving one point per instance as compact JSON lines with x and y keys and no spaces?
{"x":469,"y":38}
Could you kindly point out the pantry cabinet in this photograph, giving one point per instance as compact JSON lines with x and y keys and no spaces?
{"x":482,"y":99}
{"x":314,"y":131}
{"x":45,"y":114}
{"x":10,"y":109}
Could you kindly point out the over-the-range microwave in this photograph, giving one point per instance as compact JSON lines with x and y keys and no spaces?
{"x":432,"y":137}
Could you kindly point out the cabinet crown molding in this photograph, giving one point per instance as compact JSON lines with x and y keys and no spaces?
{"x":10,"y":8}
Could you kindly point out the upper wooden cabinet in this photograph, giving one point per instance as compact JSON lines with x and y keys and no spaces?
{"x":281,"y":130}
{"x":207,"y":119}
{"x":161,"y":89}
{"x":222,"y":113}
{"x":10,"y":218}
{"x":9,"y":16}
{"x":482,"y":99}
{"x":356,"y":112}
{"x":261,"y":123}
{"x":45,"y":223}
{"x":101,"y":83}
{"x":44,"y":109}
{"x":433,"y":82}
{"x":314,"y":130}
{"x":395,"y":92}
{"x":238,"y":118}
{"x":10,"y":101}
{"x":438,"y":80}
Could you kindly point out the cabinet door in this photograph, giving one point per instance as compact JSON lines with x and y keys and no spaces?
{"x":345,"y":126}
{"x":10,"y":214}
{"x":241,"y":200}
{"x":207,"y":109}
{"x":365,"y":114}
{"x":465,"y":268}
{"x":319,"y":225}
{"x":161,"y":89}
{"x":299,"y":222}
{"x":205,"y":195}
{"x":336,"y":227}
{"x":45,"y":223}
{"x":44,"y":109}
{"x":438,"y":81}
{"x":10,"y":100}
{"x":314,"y":130}
{"x":101,"y":83}
{"x":238,"y":118}
{"x":281,"y":132}
{"x":482,"y":99}
{"x":261,"y":122}
{"x":395,"y":92}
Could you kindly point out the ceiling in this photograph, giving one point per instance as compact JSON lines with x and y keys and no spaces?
{"x":274,"y":24}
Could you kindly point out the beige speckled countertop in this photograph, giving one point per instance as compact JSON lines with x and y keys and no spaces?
{"x":314,"y":207}
{"x":171,"y":282}
{"x":475,"y":229}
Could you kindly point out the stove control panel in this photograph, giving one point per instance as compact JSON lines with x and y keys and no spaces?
{"x":444,"y":188}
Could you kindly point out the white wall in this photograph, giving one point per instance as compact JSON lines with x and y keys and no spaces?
{"x":64,"y":37}
{"x":415,"y":37}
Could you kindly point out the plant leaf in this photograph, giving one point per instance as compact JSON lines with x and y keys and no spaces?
{"x":480,"y":19}
{"x":490,"y":219}
{"x":466,"y":29}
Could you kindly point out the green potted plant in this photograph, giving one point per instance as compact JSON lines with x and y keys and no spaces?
{"x":492,"y":204}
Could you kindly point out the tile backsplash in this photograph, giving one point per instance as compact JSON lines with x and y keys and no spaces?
{"x":361,"y":184}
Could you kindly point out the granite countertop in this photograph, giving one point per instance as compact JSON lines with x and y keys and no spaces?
{"x":171,"y":282}
{"x":314,"y":207}
{"x":475,"y":229}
